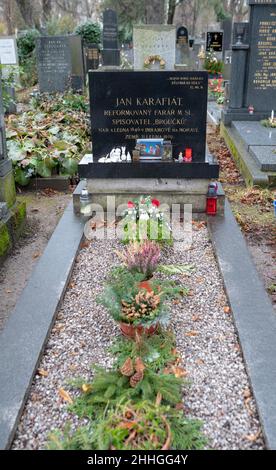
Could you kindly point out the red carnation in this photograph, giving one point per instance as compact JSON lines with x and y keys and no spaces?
{"x":155,"y":202}
{"x":130,"y":204}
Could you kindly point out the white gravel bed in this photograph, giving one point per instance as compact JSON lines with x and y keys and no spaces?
{"x":219,"y":393}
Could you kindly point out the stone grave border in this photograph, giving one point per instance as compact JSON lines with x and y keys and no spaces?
{"x":252,"y":174}
{"x":26,"y":332}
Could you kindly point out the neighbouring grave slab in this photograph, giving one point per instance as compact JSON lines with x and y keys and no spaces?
{"x":264,"y":156}
{"x":253,"y":133}
{"x":60,"y":63}
{"x":152,"y":40}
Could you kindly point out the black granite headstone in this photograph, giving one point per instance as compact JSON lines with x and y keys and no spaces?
{"x":110,"y":52}
{"x":261,"y":79}
{"x":253,"y":79}
{"x":227,"y":34}
{"x":182,"y":36}
{"x":60,"y":63}
{"x":110,"y":30}
{"x":126,"y":106}
{"x":214,"y":40}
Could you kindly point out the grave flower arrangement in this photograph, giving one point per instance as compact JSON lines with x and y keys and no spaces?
{"x":131,"y":303}
{"x":143,"y":219}
{"x":215,"y":90}
{"x":141,"y":257}
{"x":212,"y":64}
{"x":152,"y":59}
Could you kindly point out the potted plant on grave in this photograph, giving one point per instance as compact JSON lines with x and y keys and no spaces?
{"x":138,"y":308}
{"x":141,"y":258}
{"x":143,"y":219}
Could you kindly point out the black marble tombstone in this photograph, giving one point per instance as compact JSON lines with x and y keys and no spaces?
{"x":253,"y":80}
{"x":214,"y":41}
{"x":110,"y":52}
{"x":126,"y":106}
{"x":60,"y":63}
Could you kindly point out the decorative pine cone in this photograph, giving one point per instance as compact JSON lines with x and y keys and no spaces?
{"x":136,"y":378}
{"x":139,"y":365}
{"x":127,"y":367}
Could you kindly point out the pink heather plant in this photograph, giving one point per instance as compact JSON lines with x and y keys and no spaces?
{"x":142,"y":257}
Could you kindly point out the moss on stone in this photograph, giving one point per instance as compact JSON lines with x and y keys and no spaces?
{"x":7,"y":189}
{"x":5,"y":240}
{"x":236,"y":154}
{"x":18,"y":217}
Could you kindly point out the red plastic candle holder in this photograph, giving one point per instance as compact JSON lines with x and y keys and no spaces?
{"x":211,"y":205}
{"x":188,"y":155}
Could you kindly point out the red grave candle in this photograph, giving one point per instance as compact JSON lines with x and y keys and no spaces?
{"x":188,"y":155}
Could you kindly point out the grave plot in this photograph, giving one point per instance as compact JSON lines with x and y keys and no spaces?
{"x":205,"y":353}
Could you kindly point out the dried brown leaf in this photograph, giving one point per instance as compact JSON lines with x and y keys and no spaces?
{"x":191,"y":333}
{"x":43,"y":372}
{"x":65,"y":395}
{"x":86,"y":388}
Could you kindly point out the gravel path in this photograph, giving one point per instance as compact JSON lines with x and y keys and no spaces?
{"x":219,"y":393}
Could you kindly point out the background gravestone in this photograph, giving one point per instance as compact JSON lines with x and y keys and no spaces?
{"x":150,"y":40}
{"x":8,"y":50}
{"x":9,"y":57}
{"x":182,"y":45}
{"x":227,"y":37}
{"x":261,"y":79}
{"x":214,"y":40}
{"x":92,"y":56}
{"x":253,"y":80}
{"x":60,"y":63}
{"x":110,"y":52}
{"x":182,"y":36}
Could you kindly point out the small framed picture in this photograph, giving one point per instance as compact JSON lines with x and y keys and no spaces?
{"x":151,"y":149}
{"x":167,"y":151}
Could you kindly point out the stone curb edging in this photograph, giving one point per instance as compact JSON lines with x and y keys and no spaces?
{"x":253,"y":315}
{"x":23,"y":339}
{"x":26,"y":332}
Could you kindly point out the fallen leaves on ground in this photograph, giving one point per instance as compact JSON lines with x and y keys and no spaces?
{"x":253,"y":437}
{"x":195,"y":317}
{"x":199,"y":362}
{"x":43,"y":372}
{"x":65,"y":395}
{"x":192,"y":333}
{"x":226,"y":309}
{"x":86,"y":388}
